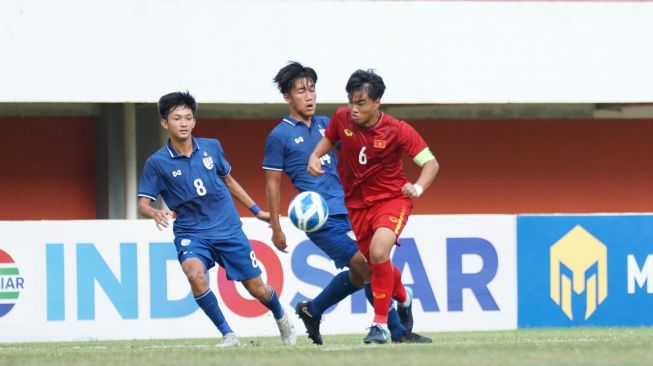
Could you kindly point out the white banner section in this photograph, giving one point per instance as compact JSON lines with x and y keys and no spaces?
{"x":111,"y":279}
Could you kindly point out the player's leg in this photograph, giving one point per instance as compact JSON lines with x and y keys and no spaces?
{"x":382,"y":282}
{"x":265,"y":294}
{"x":398,"y":333}
{"x":405,"y":307}
{"x":360,"y":270}
{"x":239,"y":261}
{"x":394,"y":324}
{"x":336,"y":240}
{"x":195,"y":265}
{"x":389,"y":218}
{"x":207,"y":301}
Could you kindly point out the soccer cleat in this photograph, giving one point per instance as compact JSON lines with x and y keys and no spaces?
{"x":406,"y":312}
{"x":229,"y":340}
{"x":311,"y":323}
{"x":376,"y":335}
{"x":287,"y":331}
{"x":410,"y":337}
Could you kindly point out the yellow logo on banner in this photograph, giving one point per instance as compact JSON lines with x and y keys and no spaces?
{"x":586,"y":258}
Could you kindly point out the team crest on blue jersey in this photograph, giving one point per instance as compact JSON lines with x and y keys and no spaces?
{"x":208,"y":161}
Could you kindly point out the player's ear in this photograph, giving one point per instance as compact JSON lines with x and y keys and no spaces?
{"x":286,"y":97}
{"x":164,"y":123}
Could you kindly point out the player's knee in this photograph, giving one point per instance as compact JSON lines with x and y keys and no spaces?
{"x":360,"y":270}
{"x":196,"y":277}
{"x":378,"y":255}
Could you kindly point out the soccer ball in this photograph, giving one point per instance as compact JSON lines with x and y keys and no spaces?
{"x":308,"y":211}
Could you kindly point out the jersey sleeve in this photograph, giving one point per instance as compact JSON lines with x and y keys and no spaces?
{"x":150,"y":185}
{"x":274,"y":152}
{"x":412,"y":143}
{"x":222,"y":166}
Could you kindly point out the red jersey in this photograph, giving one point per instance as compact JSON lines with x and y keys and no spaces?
{"x":369,"y":163}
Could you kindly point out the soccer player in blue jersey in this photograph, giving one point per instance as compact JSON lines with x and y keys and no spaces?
{"x":193,"y":177}
{"x":287,"y":150}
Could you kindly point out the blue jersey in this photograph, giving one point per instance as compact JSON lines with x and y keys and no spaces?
{"x":287,"y":149}
{"x":193,"y":188}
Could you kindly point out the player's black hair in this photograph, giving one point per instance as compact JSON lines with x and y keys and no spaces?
{"x":365,"y":80}
{"x":293,"y":71}
{"x":170,"y":101}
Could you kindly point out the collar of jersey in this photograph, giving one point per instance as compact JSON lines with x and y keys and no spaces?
{"x":174,"y":154}
{"x":294,"y":122}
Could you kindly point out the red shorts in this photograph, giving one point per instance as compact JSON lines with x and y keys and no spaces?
{"x":392,"y":213}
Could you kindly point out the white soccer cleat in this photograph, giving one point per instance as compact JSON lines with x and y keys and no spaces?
{"x":287,"y":331}
{"x":229,"y":340}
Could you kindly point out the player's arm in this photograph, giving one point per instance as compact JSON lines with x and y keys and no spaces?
{"x":273,"y":197}
{"x":239,"y":193}
{"x":314,"y":165}
{"x":430,"y":168}
{"x":160,"y":216}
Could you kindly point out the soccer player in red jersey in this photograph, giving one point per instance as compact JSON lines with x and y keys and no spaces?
{"x":377,"y":194}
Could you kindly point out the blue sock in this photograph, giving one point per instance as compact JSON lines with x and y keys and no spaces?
{"x":394,"y":324}
{"x":339,"y":288}
{"x":274,"y":305}
{"x":209,"y":303}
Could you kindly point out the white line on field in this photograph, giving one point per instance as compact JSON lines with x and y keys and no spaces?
{"x":177,"y":346}
{"x":346,"y":347}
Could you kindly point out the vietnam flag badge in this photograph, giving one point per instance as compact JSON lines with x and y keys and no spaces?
{"x":379,"y":144}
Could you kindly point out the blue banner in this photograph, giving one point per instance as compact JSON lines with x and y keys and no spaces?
{"x":585,"y":270}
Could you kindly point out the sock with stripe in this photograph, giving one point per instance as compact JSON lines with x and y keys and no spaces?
{"x":274,"y":305}
{"x":209,"y":304}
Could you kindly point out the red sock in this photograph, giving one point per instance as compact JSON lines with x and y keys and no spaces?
{"x":382,"y":281}
{"x":398,"y":291}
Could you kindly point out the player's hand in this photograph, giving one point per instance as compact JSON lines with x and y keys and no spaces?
{"x":263,"y":216}
{"x":409,"y":191}
{"x":314,"y":166}
{"x":279,"y":240}
{"x":162,"y":218}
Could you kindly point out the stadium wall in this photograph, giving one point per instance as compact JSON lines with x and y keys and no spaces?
{"x":60,"y":165}
{"x":48,"y":168}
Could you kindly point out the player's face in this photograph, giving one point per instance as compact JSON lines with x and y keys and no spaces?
{"x":180,"y":123}
{"x":301,"y":98}
{"x":364,"y":110}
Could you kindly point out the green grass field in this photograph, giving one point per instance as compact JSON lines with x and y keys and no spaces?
{"x":579,"y":346}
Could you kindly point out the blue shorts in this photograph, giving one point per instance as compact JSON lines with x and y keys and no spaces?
{"x":336,"y":239}
{"x":234,"y":254}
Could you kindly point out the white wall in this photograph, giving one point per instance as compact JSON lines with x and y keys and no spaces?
{"x":228,"y":51}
